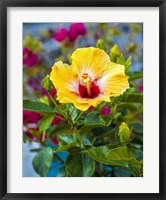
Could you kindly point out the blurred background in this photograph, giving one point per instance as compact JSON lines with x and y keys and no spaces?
{"x":46,"y":43}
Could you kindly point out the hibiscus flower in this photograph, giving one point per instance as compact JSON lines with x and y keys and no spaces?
{"x":91,"y":78}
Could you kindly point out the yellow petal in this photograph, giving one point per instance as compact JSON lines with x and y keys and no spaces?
{"x":113,"y":82}
{"x":95,"y":101}
{"x":90,"y":60}
{"x":62,"y":76}
{"x":66,"y":96}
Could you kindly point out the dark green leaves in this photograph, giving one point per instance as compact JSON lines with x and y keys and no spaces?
{"x":79,"y":164}
{"x":35,"y":106}
{"x":93,"y":119}
{"x":134,"y":75}
{"x":66,"y":141}
{"x":122,"y":172}
{"x":45,"y":122}
{"x":72,"y":111}
{"x":123,"y":154}
{"x":99,"y":154}
{"x":42,"y":161}
{"x":132,"y":97}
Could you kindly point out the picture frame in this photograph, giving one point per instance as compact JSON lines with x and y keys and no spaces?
{"x":4,"y":5}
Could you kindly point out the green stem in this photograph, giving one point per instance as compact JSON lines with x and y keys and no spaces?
{"x":78,"y":117}
{"x":59,"y":117}
{"x":58,"y":107}
{"x":43,"y":137}
{"x":80,"y":139}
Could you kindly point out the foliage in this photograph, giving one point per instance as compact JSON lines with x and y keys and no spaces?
{"x":109,"y":136}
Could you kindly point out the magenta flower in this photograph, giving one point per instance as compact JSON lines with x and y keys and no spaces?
{"x":31,"y":117}
{"x":55,"y":121}
{"x":140,"y":88}
{"x":60,"y":35}
{"x":52,"y":93}
{"x":76,"y":30}
{"x":55,"y":141}
{"x":29,"y":58}
{"x":91,"y":108}
{"x":30,"y":120}
{"x":105,"y":110}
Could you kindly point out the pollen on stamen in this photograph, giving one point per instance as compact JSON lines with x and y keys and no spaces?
{"x":87,"y":88}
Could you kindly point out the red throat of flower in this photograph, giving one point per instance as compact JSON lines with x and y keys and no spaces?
{"x":88,"y":89}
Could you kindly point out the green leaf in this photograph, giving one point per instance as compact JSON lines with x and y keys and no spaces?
{"x":138,"y":154}
{"x":115,"y":50}
{"x":60,"y":129}
{"x":66,"y":142}
{"x":127,"y":64}
{"x":132,"y":97}
{"x":35,"y":106}
{"x":126,"y":105}
{"x":45,"y":122}
{"x":80,"y":165}
{"x":101,"y":45}
{"x":99,"y":154}
{"x":72,"y":111}
{"x":66,"y":139}
{"x":137,"y":127}
{"x":120,"y":60}
{"x":93,"y":119}
{"x":62,"y":172}
{"x":134,"y":75}
{"x":47,"y":84}
{"x":123,"y":154}
{"x":122,"y":172}
{"x":42,"y":161}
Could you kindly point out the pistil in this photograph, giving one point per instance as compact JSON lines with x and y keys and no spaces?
{"x":87,"y":83}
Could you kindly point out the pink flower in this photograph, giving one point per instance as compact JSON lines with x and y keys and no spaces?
{"x":76,"y":30}
{"x":31,"y":117}
{"x":91,"y":108}
{"x":29,"y":58}
{"x":55,"y":121}
{"x":60,"y":35}
{"x":140,"y":88}
{"x":105,"y":110}
{"x":53,"y":92}
{"x":55,"y":141}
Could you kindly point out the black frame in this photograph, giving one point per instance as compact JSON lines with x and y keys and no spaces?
{"x":4,"y":4}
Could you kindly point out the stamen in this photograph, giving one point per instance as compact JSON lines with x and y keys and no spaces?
{"x":87,"y":88}
{"x":87,"y":83}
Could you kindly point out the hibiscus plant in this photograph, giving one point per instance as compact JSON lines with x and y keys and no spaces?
{"x":84,"y":113}
{"x":92,"y":98}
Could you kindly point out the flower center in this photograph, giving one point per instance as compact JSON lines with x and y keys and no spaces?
{"x":87,"y":88}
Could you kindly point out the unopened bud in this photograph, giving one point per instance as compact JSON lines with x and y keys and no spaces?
{"x":124,"y":133}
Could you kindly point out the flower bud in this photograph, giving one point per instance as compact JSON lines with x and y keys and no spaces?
{"x":115,"y":50}
{"x":101,"y":45}
{"x":124,"y":133}
{"x":47,"y":84}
